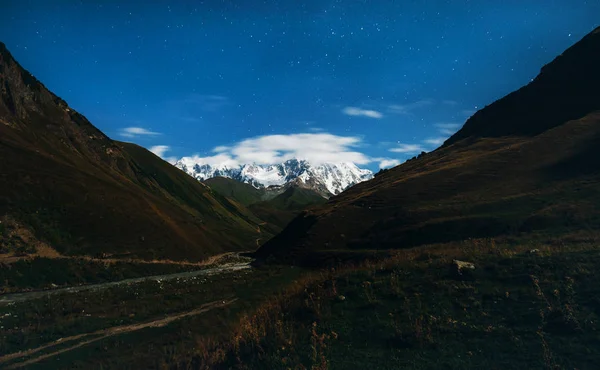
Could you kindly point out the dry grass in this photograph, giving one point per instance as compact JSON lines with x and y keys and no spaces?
{"x":18,"y":242}
{"x":295,"y":330}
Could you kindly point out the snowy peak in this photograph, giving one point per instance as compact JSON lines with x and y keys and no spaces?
{"x":326,"y":178}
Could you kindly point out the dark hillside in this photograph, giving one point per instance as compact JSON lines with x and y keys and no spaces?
{"x":84,"y":193}
{"x":503,"y":173}
{"x":566,"y":89}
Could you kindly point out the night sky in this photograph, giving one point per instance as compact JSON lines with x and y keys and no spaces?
{"x":377,"y":81}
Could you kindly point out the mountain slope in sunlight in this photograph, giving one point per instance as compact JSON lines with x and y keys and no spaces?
{"x":281,"y":209}
{"x":84,"y":193}
{"x":241,"y":192}
{"x":528,"y":162}
{"x":275,"y":205}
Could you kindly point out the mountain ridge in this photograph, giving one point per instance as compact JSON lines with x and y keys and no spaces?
{"x":326,"y":178}
{"x":513,"y":168}
{"x":567,"y":87}
{"x":83,"y":193}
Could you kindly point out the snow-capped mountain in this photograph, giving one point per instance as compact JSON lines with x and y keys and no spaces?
{"x":328,"y":177}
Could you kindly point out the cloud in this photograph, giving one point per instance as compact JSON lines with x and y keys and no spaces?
{"x":450,"y":102}
{"x":160,"y":151}
{"x":447,"y":128}
{"x":449,"y":125}
{"x":446,"y":131}
{"x":208,"y":103}
{"x":408,"y":148}
{"x":136,"y":132}
{"x":271,"y":149}
{"x":435,"y":141}
{"x":221,"y":148}
{"x":354,"y":111}
{"x":410,"y":107}
{"x":388,"y":162}
{"x":468,"y":112}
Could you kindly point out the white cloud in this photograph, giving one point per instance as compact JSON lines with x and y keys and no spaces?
{"x":447,"y":128}
{"x":435,"y":141}
{"x":449,"y":125}
{"x":450,"y":102}
{"x":354,"y":111}
{"x":408,"y":148}
{"x":468,"y":112}
{"x":221,"y":148}
{"x":208,"y":103}
{"x":388,"y":162}
{"x":223,"y":159}
{"x":446,"y":131}
{"x":410,"y":107}
{"x":314,"y":147}
{"x":160,"y":151}
{"x":136,"y":132}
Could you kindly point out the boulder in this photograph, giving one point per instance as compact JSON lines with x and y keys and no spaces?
{"x":462,"y":266}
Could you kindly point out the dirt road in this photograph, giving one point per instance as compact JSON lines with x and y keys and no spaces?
{"x":224,"y":268}
{"x":33,"y":355}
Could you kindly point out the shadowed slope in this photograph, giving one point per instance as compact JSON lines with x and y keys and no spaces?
{"x":87,"y":194}
{"x":565,"y":89}
{"x":503,"y":173}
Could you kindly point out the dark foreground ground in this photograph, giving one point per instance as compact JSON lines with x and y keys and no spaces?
{"x":531,"y":302}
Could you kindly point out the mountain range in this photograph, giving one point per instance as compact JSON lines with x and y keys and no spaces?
{"x":327,"y":178}
{"x":528,"y":161}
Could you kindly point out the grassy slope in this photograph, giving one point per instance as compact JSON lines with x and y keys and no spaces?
{"x":516,"y":310}
{"x":278,"y":211}
{"x":34,"y":323}
{"x":44,"y":273}
{"x":87,"y":194}
{"x":296,"y":198}
{"x":242,"y":193}
{"x":155,"y":212}
{"x":284,"y":207}
{"x":492,"y":187}
{"x":514,"y":167}
{"x":565,"y":89}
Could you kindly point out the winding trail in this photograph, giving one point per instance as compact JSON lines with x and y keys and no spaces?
{"x":87,"y":338}
{"x":25,"y":296}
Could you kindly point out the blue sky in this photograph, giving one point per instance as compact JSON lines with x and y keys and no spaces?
{"x":374,"y":82}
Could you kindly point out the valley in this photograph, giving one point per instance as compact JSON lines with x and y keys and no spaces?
{"x":278,"y":251}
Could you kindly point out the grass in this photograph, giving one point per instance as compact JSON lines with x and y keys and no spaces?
{"x":241,"y":192}
{"x":110,"y":197}
{"x":487,"y":188}
{"x":530,"y":302}
{"x":33,"y":323}
{"x":275,"y":207}
{"x":519,"y":308}
{"x":296,"y":199}
{"x":44,"y":273}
